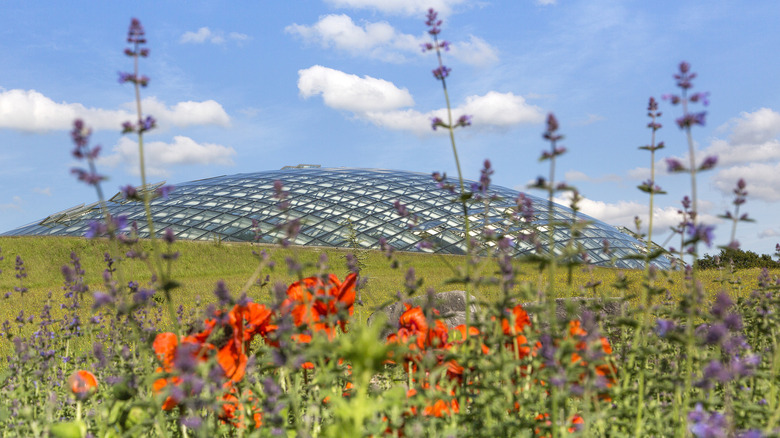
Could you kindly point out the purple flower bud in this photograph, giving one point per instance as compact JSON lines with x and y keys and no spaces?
{"x":436,"y":122}
{"x":100,"y":299}
{"x":136,"y":32}
{"x":142,"y":295}
{"x":675,"y":165}
{"x":722,"y":304}
{"x":222,"y":293}
{"x":464,"y":120}
{"x":164,"y":191}
{"x":441,"y":72}
{"x":673,"y":98}
{"x":700,"y":96}
{"x":702,"y":233}
{"x":168,"y":236}
{"x":148,"y":123}
{"x":709,"y":162}
{"x":127,"y":127}
{"x":664,"y":326}
{"x":400,"y":209}
{"x":126,"y":77}
{"x":715,"y":334}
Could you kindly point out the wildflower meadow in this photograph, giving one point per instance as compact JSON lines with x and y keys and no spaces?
{"x":293,"y":358}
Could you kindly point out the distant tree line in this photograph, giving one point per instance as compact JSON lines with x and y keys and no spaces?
{"x":741,"y":260}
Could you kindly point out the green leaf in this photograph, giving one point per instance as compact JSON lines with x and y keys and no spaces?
{"x":71,"y":429}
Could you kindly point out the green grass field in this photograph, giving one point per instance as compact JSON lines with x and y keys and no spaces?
{"x":202,"y":264}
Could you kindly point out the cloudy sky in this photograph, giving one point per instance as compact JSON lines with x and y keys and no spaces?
{"x":249,"y":86}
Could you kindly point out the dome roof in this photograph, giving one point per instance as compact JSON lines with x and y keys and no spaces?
{"x":341,"y":207}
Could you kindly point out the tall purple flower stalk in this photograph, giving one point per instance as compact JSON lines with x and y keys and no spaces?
{"x":136,"y":38}
{"x":689,"y":119}
{"x":441,"y":72}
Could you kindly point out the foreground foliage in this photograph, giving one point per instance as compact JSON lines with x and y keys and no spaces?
{"x":99,"y":361}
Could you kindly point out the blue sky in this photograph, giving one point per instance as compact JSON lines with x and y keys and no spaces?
{"x":249,"y":86}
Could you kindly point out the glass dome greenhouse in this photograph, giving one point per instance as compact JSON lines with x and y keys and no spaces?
{"x":344,"y":207}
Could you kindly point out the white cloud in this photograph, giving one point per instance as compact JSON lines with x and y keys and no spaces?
{"x":15,"y":204}
{"x":188,"y":113}
{"x":752,"y":152}
{"x":344,"y":91}
{"x":476,"y":52}
{"x":204,"y":35}
{"x":159,"y":156}
{"x":622,"y":213}
{"x":199,"y":37}
{"x":590,"y":119}
{"x":769,"y":232}
{"x":380,"y":102}
{"x":399,"y":7}
{"x":31,"y":111}
{"x":754,"y":138}
{"x":340,"y":32}
{"x":42,"y":190}
{"x":757,"y":127}
{"x":500,"y":109}
{"x":238,"y":36}
{"x":763,"y":180}
{"x":546,"y":2}
{"x":380,"y":40}
{"x":494,"y":109}
{"x":576,"y":175}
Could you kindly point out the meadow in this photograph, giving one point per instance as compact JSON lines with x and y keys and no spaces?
{"x":114,"y":335}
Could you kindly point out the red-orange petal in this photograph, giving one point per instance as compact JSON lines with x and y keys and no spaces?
{"x":82,"y":383}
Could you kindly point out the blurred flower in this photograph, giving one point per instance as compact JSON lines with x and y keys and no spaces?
{"x":675,"y":165}
{"x":703,"y":424}
{"x":441,"y":72}
{"x":82,"y":384}
{"x":432,"y":22}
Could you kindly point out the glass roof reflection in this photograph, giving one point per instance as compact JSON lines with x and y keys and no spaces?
{"x":334,"y":203}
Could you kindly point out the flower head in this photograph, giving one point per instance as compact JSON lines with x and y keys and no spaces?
{"x":433,"y":22}
{"x":82,"y":384}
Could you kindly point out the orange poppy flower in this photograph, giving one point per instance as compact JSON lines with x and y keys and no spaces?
{"x":232,"y":359}
{"x":250,"y":320}
{"x":167,"y":346}
{"x":311,"y":299}
{"x":82,"y":384}
{"x":606,"y":369}
{"x":520,"y":321}
{"x":413,"y":329}
{"x":233,"y":410}
{"x":576,"y":423}
{"x":438,"y":409}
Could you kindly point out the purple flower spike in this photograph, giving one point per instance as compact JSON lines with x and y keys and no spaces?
{"x":135,"y":34}
{"x":432,"y":22}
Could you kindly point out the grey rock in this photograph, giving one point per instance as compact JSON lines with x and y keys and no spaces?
{"x":451,"y":306}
